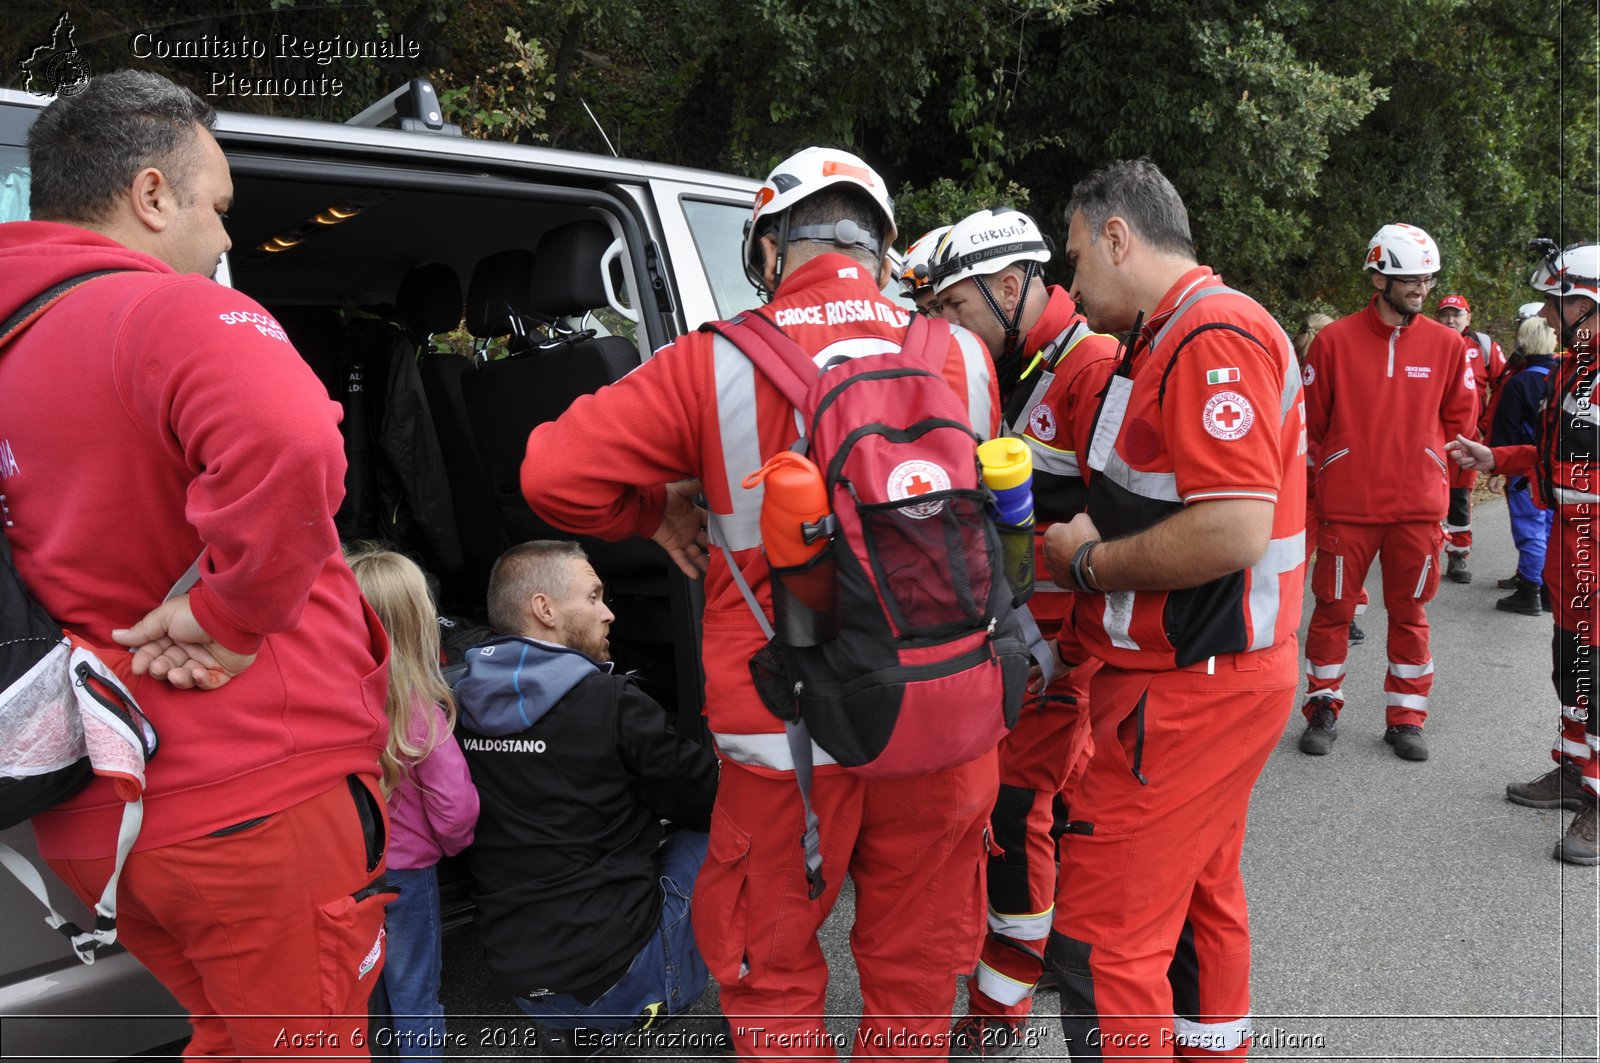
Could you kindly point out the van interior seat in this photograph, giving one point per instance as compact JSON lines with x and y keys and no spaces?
{"x":506,"y":399}
{"x":567,"y":283}
{"x":429,"y":301}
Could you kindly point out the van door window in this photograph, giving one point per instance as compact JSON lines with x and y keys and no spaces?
{"x":718,"y":230}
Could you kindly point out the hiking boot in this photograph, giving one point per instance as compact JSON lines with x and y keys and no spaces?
{"x":1510,"y":583}
{"x":1524,"y":600}
{"x":1560,"y":787}
{"x":985,"y":1037}
{"x":1357,"y":636}
{"x":1455,"y":570}
{"x":1407,"y":741}
{"x":1317,"y":739}
{"x":1577,"y":846}
{"x":1544,"y":598}
{"x":1049,"y":981}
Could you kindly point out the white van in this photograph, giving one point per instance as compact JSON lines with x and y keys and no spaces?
{"x":398,"y":260}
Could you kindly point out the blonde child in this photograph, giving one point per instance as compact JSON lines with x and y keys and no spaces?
{"x":433,"y":807}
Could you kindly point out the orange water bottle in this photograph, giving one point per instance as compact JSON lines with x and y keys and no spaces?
{"x":805,"y":585}
{"x":795,"y":496}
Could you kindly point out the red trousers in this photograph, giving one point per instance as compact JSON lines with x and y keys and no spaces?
{"x":1571,"y":570}
{"x":1152,"y":937}
{"x":271,"y":936}
{"x":1037,"y":762}
{"x":914,"y":850}
{"x":1409,"y":554}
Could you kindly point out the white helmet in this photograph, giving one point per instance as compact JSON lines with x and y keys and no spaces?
{"x":985,"y":243}
{"x":1575,"y":271}
{"x":1528,"y":310}
{"x":801,"y":176}
{"x":1402,"y":251}
{"x":916,"y":267}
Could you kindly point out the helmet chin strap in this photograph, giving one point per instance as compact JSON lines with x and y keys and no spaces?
{"x":1569,"y":333}
{"x":1012,"y":324}
{"x":1388,"y":287}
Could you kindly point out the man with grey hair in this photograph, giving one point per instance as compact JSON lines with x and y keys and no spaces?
{"x":256,"y":892}
{"x":1188,"y":563}
{"x":576,"y":768}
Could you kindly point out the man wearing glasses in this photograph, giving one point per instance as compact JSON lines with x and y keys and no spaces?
{"x":1385,"y":389}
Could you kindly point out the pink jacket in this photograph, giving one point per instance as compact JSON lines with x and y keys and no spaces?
{"x":434,"y":812}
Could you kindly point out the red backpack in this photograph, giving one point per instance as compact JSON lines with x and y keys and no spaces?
{"x":928,"y":665}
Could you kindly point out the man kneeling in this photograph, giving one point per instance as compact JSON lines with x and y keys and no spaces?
{"x":582,"y":910}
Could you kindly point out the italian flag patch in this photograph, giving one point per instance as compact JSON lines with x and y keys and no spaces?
{"x":1222,"y":376}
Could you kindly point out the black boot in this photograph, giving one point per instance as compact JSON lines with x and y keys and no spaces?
{"x":1455,"y":569}
{"x":1524,"y":600}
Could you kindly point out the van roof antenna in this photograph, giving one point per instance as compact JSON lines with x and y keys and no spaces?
{"x":597,"y":125}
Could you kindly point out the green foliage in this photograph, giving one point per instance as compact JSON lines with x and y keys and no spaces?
{"x":507,"y":100}
{"x":1293,"y":128}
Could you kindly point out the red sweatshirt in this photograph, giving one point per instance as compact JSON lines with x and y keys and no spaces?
{"x":1381,"y":402}
{"x":146,"y":417}
{"x":599,"y":468}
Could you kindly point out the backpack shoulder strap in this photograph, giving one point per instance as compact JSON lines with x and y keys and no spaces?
{"x":779,"y":358}
{"x":33,"y":308}
{"x":927,"y":341}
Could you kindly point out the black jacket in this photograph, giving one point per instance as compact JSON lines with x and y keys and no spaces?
{"x":396,"y":488}
{"x":575,"y":768}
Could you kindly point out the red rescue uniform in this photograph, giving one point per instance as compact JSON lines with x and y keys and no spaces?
{"x":1560,"y":464}
{"x":913,"y":847}
{"x":1151,"y":937}
{"x":1381,"y":402}
{"x":1052,"y":408}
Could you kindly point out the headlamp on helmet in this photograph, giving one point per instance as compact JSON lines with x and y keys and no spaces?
{"x":1572,"y":271}
{"x":987,"y":242}
{"x":916,"y":268}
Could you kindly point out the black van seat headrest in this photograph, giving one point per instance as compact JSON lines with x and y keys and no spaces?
{"x":429,"y":300}
{"x":566,"y":271}
{"x":500,"y":286}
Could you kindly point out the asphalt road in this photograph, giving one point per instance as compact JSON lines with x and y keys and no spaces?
{"x":1400,"y":910}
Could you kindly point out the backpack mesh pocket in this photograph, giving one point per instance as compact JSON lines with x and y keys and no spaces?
{"x":932,"y":559}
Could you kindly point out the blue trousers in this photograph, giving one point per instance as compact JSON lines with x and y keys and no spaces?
{"x":1530,"y":531}
{"x":411,"y":975}
{"x":667,"y":974}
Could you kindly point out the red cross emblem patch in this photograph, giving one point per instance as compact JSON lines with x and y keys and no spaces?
{"x":911,"y":479}
{"x":1042,"y":419}
{"x":1229,"y":415}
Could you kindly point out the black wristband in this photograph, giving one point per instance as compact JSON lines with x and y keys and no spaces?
{"x":1080,"y":563}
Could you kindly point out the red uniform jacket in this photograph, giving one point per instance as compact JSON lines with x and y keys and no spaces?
{"x":147,"y":416}
{"x":1205,"y":406}
{"x":1381,"y":402}
{"x":600,"y":467}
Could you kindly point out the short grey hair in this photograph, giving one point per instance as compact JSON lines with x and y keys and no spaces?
{"x":1136,"y":191}
{"x":84,"y":149}
{"x":537,"y":567}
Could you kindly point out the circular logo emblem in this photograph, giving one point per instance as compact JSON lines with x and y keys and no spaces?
{"x":1229,"y":415}
{"x":1471,"y":380}
{"x":1309,"y":377}
{"x":913,"y":478}
{"x":1043,"y":422}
